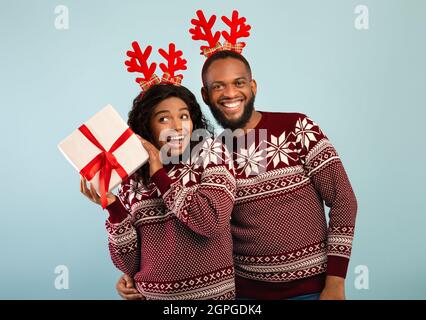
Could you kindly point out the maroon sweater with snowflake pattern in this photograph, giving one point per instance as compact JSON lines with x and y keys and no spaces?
{"x":173,"y":236}
{"x":286,"y":170}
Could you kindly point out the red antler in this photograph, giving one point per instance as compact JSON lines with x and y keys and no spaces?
{"x":138,"y":62}
{"x":174,"y":61}
{"x":203,"y":25}
{"x":238,"y":28}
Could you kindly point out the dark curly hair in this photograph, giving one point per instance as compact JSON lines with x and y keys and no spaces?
{"x":143,"y":107}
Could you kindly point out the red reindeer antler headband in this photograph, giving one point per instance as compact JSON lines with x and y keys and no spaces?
{"x":203,"y":31}
{"x":138,"y":62}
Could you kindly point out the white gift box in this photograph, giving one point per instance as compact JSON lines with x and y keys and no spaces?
{"x":106,"y":126}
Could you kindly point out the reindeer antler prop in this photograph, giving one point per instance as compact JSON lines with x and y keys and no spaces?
{"x":138,"y":62}
{"x":238,"y":29}
{"x":174,"y":63}
{"x":203,"y":31}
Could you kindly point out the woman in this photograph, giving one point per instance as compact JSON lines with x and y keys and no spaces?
{"x":169,"y":225}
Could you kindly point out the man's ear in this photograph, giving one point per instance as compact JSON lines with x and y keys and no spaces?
{"x":205,"y":95}
{"x":253,"y":85}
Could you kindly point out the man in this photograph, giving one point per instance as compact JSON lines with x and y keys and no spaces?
{"x":283,"y":248}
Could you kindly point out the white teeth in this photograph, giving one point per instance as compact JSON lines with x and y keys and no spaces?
{"x":176,"y":138}
{"x":232,"y":105}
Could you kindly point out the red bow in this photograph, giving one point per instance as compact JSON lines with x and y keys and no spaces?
{"x":145,"y":85}
{"x":238,"y":47}
{"x":176,"y":80}
{"x":104,"y":162}
{"x":210,"y":51}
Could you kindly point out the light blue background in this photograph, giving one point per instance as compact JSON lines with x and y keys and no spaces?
{"x":366,"y":89}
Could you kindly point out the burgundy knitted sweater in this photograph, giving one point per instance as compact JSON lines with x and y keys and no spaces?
{"x":173,"y":236}
{"x":286,"y":170}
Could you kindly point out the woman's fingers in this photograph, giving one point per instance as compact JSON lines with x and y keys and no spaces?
{"x":147,"y":145}
{"x":91,"y":193}
{"x":81,"y":185}
{"x":94,"y":195}
{"x":140,"y":138}
{"x":150,"y":148}
{"x":83,"y":188}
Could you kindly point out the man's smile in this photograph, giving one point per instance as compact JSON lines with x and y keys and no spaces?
{"x":232,"y":106}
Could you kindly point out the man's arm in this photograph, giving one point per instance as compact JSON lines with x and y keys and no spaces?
{"x":334,"y":289}
{"x":324,"y":167}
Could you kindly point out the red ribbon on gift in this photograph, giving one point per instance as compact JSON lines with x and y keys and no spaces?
{"x":104,"y":162}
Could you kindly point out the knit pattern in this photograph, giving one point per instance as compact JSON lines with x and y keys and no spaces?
{"x":284,"y":178}
{"x":176,"y":241}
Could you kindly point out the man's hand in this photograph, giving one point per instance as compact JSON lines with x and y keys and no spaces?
{"x":126,"y":288}
{"x":334,"y":289}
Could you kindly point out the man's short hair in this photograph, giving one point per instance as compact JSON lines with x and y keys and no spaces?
{"x":222,"y":55}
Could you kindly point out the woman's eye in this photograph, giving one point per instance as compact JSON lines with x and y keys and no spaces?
{"x":185,"y":117}
{"x":163,"y":119}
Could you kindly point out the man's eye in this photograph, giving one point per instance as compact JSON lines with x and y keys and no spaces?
{"x":217,"y":87}
{"x":240,"y":83}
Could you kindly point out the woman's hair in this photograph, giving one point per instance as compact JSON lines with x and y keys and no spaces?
{"x":143,"y":107}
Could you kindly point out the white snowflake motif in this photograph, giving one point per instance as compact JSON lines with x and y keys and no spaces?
{"x":304,"y":132}
{"x":135,"y":190}
{"x":279,"y":149}
{"x":210,"y":152}
{"x":185,"y":173}
{"x":249,"y":160}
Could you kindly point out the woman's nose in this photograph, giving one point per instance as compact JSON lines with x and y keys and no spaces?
{"x":176,"y":124}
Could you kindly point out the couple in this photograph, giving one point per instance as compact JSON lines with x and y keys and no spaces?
{"x":250,"y":226}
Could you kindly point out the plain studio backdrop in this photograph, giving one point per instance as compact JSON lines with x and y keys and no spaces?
{"x":356,"y":67}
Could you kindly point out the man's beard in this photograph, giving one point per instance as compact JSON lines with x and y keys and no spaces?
{"x":234,"y":124}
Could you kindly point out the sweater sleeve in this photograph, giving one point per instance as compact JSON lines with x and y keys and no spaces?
{"x":206,"y":206}
{"x":324,"y":167}
{"x":122,"y":235}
